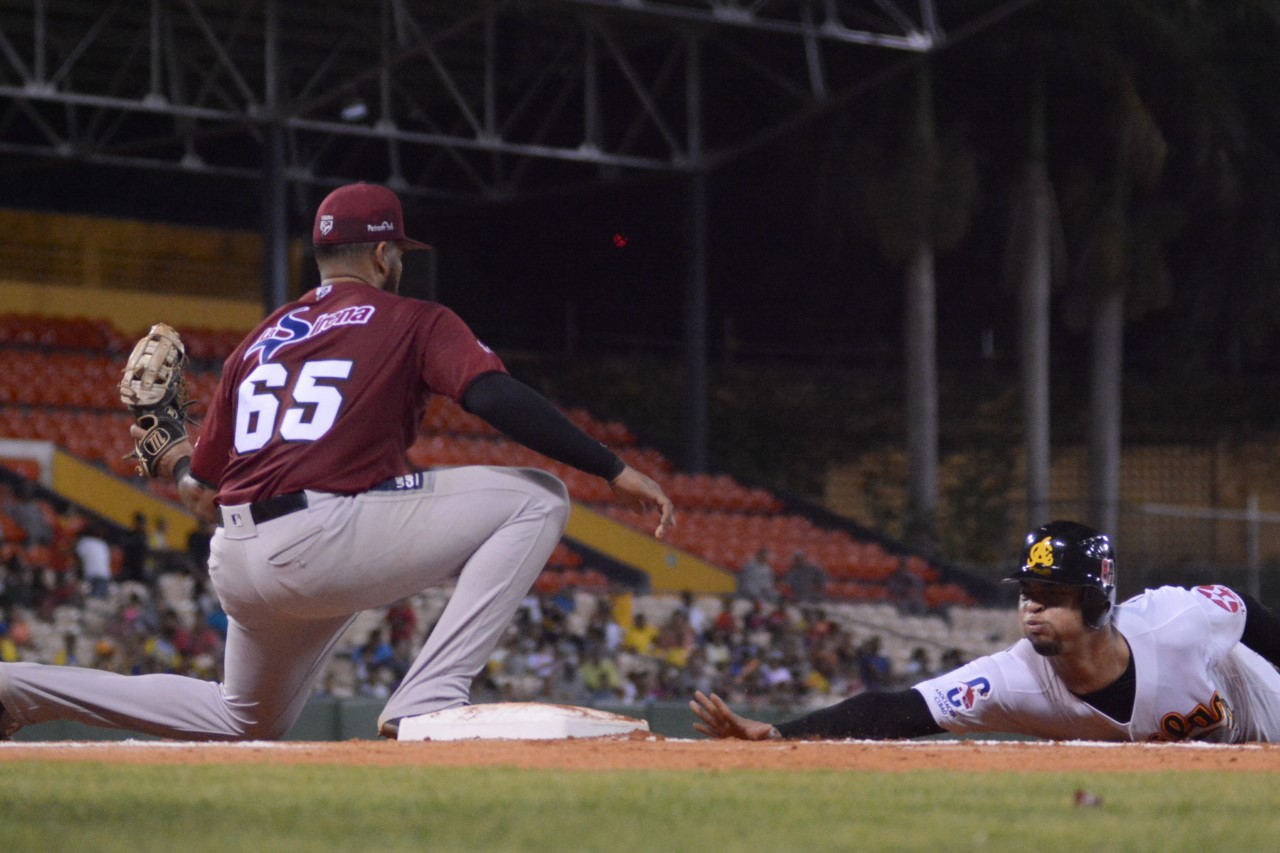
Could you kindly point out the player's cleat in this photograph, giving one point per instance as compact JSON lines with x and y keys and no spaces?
{"x":391,"y":728}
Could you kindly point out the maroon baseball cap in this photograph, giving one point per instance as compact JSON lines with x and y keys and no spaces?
{"x":361,"y":213}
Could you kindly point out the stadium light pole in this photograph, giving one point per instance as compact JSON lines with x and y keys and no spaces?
{"x":275,"y":243}
{"x":696,"y":417}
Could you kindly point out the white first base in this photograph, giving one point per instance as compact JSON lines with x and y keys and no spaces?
{"x":517,"y":721}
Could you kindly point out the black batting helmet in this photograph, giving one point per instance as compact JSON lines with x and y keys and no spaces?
{"x":1075,"y":555}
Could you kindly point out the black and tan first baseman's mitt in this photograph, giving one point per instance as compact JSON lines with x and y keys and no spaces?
{"x":154,"y":388}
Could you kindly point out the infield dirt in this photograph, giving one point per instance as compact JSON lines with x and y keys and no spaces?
{"x":648,"y":752}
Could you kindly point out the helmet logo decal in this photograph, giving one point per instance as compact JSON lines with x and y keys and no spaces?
{"x":1040,"y":557}
{"x":1108,"y":577}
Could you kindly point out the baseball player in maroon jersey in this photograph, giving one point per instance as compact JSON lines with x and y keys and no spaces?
{"x":1170,"y":664}
{"x":302,"y":464}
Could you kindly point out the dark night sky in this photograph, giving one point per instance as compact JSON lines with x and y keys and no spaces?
{"x":791,"y":260}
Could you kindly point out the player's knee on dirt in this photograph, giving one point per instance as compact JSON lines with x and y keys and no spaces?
{"x":255,"y":729}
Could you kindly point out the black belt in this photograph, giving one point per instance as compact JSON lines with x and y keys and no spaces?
{"x":282,"y":505}
{"x":277,"y":506}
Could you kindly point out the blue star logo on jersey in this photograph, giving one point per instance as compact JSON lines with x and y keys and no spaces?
{"x":289,"y":330}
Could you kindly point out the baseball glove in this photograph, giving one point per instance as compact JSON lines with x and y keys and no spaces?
{"x":154,"y":389}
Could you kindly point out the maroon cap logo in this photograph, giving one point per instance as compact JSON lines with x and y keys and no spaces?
{"x":361,"y":213}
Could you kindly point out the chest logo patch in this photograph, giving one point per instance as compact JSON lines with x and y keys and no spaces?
{"x":1222,"y":596}
{"x":1199,"y":721}
{"x":292,"y":328}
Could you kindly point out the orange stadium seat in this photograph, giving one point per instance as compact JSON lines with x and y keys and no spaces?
{"x":12,"y":530}
{"x":66,"y":395}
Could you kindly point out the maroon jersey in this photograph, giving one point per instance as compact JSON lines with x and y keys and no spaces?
{"x":328,"y":392}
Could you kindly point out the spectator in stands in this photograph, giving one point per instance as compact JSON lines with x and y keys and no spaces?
{"x":402,"y":622}
{"x":164,"y":558}
{"x":600,"y":677}
{"x":873,"y":666}
{"x":565,"y":686}
{"x":94,"y":556}
{"x":755,"y":580}
{"x":105,"y":656}
{"x":806,"y":579}
{"x":565,"y":598}
{"x":208,"y":606}
{"x":67,"y":527}
{"x":719,"y":650}
{"x":24,"y":585}
{"x":6,"y":501}
{"x":699,"y":673}
{"x":62,"y":589}
{"x":196,"y":640}
{"x":32,"y":514}
{"x":642,"y":687}
{"x":778,"y":678}
{"x":755,"y":619}
{"x":554,"y":620}
{"x":198,"y":547}
{"x":137,"y":616}
{"x":67,"y":655}
{"x":371,"y":659}
{"x":135,"y":551}
{"x":158,"y":539}
{"x":161,"y":651}
{"x":676,"y":640}
{"x":540,"y":661}
{"x":725,"y":622}
{"x":951,"y":659}
{"x":817,"y":627}
{"x":778,"y":622}
{"x":640,"y":637}
{"x":694,"y":614}
{"x":906,"y":590}
{"x":8,"y":648}
{"x":603,"y":629}
{"x":917,"y":668}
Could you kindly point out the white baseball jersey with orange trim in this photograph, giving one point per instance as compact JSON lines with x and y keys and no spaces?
{"x":1194,"y":680}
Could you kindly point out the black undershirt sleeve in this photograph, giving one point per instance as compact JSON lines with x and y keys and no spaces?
{"x":524,"y":415}
{"x":1261,"y":629}
{"x":872,"y":715}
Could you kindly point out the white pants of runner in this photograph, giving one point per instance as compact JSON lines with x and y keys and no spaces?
{"x":292,"y":585}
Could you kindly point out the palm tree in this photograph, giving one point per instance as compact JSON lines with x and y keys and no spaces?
{"x":1139,"y":85}
{"x":1034,"y":258}
{"x":919,"y":202}
{"x":1157,"y":70}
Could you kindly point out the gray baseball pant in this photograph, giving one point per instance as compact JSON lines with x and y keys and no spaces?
{"x":292,"y":585}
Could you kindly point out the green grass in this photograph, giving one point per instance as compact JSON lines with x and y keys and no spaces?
{"x":58,"y":806}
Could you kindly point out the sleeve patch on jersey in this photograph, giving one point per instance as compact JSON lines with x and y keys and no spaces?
{"x":968,"y":693}
{"x":1222,"y":596}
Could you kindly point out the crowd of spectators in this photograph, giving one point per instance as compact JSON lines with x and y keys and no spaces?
{"x":72,"y":591}
{"x":100,"y":598}
{"x":785,"y":655}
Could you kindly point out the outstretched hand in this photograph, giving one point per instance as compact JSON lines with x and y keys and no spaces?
{"x":719,"y":722}
{"x":642,"y":492}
